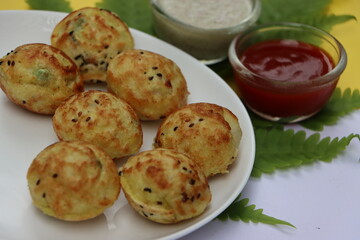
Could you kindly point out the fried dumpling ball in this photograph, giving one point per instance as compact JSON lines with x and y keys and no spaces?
{"x":165,"y":186}
{"x":73,"y":181}
{"x":92,"y":37}
{"x":151,"y":83}
{"x":39,"y":77}
{"x":100,"y":118}
{"x":208,"y":133}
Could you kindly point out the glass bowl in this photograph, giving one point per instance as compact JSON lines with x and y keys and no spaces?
{"x":263,"y":88}
{"x":207,"y":44}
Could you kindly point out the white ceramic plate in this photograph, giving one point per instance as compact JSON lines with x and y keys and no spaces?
{"x":24,"y":134}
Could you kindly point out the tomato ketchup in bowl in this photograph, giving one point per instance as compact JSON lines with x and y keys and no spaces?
{"x":286,"y":71}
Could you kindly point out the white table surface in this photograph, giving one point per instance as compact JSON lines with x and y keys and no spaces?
{"x":322,"y":200}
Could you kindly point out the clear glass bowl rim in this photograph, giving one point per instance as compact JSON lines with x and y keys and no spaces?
{"x":252,"y":17}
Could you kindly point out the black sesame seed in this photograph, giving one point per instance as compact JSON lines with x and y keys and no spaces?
{"x":159,"y":203}
{"x":141,"y":52}
{"x":120,"y":173}
{"x":154,"y":68}
{"x":162,"y":117}
{"x":96,"y":101}
{"x":147,"y":190}
{"x":38,"y":182}
{"x":201,"y":119}
{"x":151,"y":214}
{"x":23,"y":101}
{"x":78,"y":56}
{"x":74,"y":120}
{"x":184,"y":197}
{"x":8,"y":62}
{"x":159,"y":74}
{"x":192,"y":198}
{"x":185,"y":168}
{"x":191,"y":125}
{"x":162,"y":134}
{"x":12,"y":63}
{"x":102,"y":62}
{"x":71,"y":33}
{"x":145,"y":214}
{"x":145,"y":72}
{"x":198,"y":195}
{"x":151,"y":78}
{"x":175,"y":128}
{"x":118,"y":52}
{"x":192,"y":181}
{"x":44,"y":195}
{"x":106,"y":46}
{"x":141,"y":206}
{"x":1,"y":62}
{"x":55,"y":175}
{"x":88,"y":119}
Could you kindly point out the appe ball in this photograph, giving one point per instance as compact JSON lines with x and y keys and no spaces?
{"x":73,"y":181}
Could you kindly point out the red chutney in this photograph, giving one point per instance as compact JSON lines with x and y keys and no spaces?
{"x":288,"y":65}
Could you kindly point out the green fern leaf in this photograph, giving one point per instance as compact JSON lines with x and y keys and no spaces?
{"x":240,"y":210}
{"x":325,"y":22}
{"x":306,"y":11}
{"x":50,"y":5}
{"x":278,"y":149}
{"x":284,"y":10}
{"x":340,"y":104}
{"x":136,"y":13}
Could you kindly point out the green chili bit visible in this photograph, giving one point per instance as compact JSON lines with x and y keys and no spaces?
{"x":42,"y":75}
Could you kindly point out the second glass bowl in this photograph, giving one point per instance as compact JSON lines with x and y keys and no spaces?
{"x":209,"y":45}
{"x":262,"y":86}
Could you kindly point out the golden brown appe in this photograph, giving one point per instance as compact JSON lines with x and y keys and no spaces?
{"x":73,"y":181}
{"x":102,"y":119}
{"x":208,"y":133}
{"x":39,"y":77}
{"x":165,"y":186}
{"x":92,"y":37}
{"x":151,"y":83}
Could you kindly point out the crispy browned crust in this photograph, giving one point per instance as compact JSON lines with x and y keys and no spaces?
{"x":39,"y":77}
{"x":100,"y":118}
{"x":202,"y":131}
{"x":165,"y":186}
{"x":73,"y":181}
{"x":152,"y":84}
{"x":92,"y":37}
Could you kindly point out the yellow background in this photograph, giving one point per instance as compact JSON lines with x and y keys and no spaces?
{"x":348,"y":34}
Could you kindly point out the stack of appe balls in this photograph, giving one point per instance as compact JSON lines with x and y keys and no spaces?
{"x":76,"y":178}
